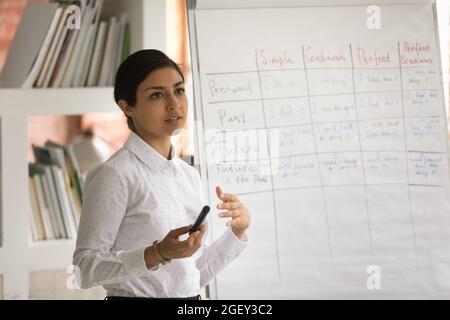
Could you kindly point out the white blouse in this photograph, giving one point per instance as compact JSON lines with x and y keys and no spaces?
{"x":134,"y":198}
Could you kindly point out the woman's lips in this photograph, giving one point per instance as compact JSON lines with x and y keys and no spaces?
{"x":174,"y":120}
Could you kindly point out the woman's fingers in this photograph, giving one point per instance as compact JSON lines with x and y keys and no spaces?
{"x":175,"y":248}
{"x":228,"y":197}
{"x":234,"y":215}
{"x":193,"y":242}
{"x":175,"y":233}
{"x":229,"y":205}
{"x":198,"y":239}
{"x":229,"y":214}
{"x":219,"y":193}
{"x":225,"y":197}
{"x":239,"y":214}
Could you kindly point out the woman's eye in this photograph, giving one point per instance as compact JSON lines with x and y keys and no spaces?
{"x":179,"y":91}
{"x":156,"y":95}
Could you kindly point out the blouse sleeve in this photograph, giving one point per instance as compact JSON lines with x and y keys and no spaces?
{"x":218,"y":255}
{"x":221,"y":252}
{"x":104,"y":206}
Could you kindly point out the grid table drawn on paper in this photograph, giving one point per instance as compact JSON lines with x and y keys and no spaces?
{"x":335,"y":137}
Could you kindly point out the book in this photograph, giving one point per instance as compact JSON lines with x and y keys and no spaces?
{"x":87,"y":53}
{"x":70,"y":213}
{"x":36,"y":212}
{"x":117,"y":56}
{"x":68,"y":50}
{"x":88,"y":15}
{"x":58,"y":69}
{"x":94,"y":69}
{"x":72,"y":167}
{"x":126,"y":43}
{"x":40,"y":59}
{"x":43,"y":208}
{"x":27,"y":43}
{"x":52,"y":48}
{"x":54,"y":51}
{"x":106,"y":68}
{"x":44,"y":159}
{"x":65,"y":57}
{"x":52,"y":228}
{"x":85,"y":57}
{"x":63,"y":197}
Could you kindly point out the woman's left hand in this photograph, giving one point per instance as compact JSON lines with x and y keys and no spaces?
{"x":236,"y":210}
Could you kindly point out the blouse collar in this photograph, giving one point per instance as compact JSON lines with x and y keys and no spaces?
{"x":149,"y":156}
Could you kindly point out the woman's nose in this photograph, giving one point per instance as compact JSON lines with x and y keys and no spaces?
{"x":172,"y":102}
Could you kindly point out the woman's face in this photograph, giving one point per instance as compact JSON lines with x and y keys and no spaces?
{"x":161,"y":104}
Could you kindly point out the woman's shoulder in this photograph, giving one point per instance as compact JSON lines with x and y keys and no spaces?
{"x":119,"y":158}
{"x":114,"y":165}
{"x":190,"y":170}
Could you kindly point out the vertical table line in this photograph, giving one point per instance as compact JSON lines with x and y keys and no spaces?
{"x":369,"y":224}
{"x":270,"y":164}
{"x":406,"y":156}
{"x":330,"y":246}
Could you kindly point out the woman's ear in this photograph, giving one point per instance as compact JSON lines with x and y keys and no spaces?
{"x":127,"y":109}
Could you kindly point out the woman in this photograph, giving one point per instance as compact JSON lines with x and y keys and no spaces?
{"x":140,"y":204}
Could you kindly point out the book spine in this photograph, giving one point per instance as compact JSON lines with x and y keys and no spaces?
{"x":44,"y":208}
{"x":36,"y":209}
{"x":65,"y":204}
{"x":32,"y":76}
{"x":51,"y":210}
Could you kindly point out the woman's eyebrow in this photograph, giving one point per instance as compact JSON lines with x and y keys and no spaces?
{"x":162,"y":88}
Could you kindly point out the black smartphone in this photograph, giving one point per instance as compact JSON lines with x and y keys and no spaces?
{"x":201,"y":217}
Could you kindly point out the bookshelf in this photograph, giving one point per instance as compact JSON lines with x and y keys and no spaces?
{"x":19,"y":254}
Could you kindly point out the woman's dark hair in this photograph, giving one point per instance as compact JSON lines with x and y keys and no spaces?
{"x":133,"y":70}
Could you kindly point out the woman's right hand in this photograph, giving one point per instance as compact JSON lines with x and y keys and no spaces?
{"x":172,"y":248}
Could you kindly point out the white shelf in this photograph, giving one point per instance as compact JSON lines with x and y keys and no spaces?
{"x":18,"y":255}
{"x":64,"y":101}
{"x":63,"y":243}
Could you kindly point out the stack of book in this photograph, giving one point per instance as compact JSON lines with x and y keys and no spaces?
{"x":56,"y":195}
{"x":64,"y":44}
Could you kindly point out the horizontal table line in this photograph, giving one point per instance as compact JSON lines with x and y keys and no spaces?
{"x":325,"y":95}
{"x":324,"y":123}
{"x":319,"y":68}
{"x":341,"y":186}
{"x":242,"y":162}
